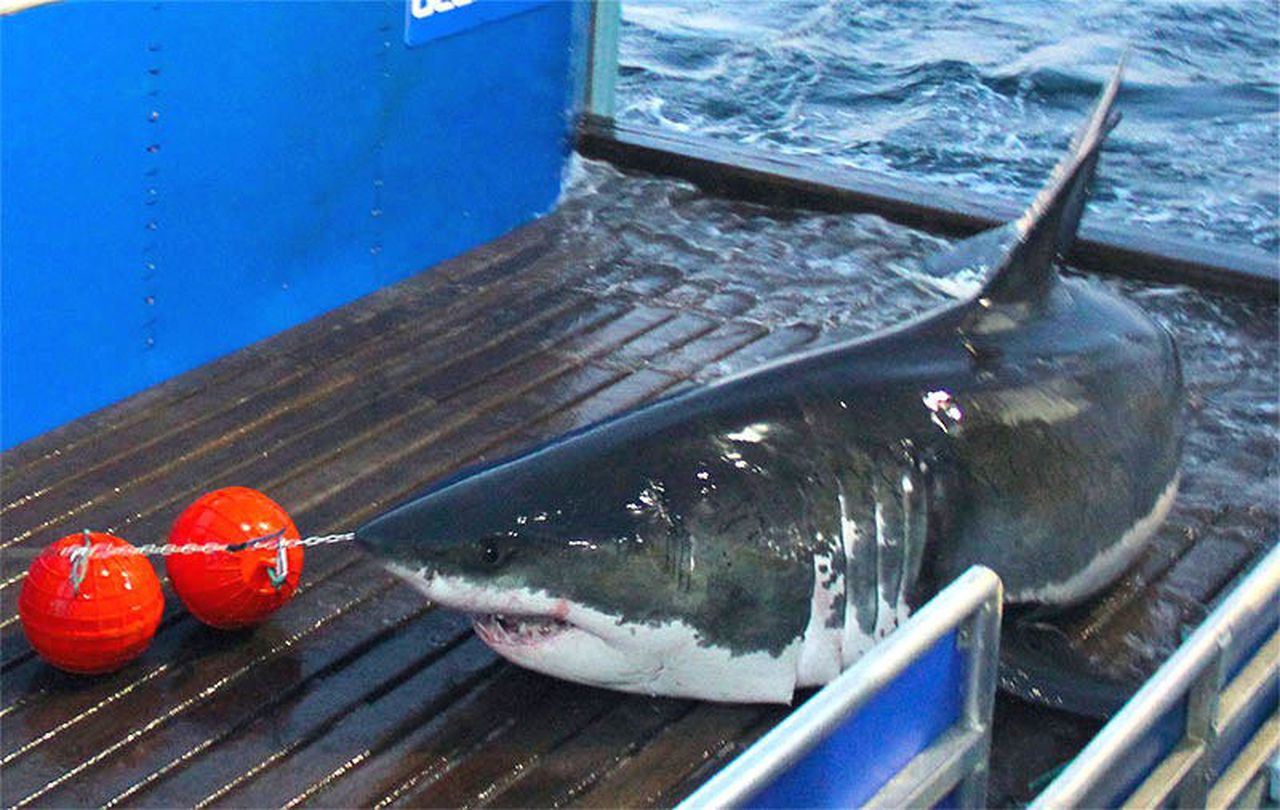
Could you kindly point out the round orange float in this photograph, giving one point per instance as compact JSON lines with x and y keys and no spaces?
{"x":251,"y":575}
{"x":88,"y":605}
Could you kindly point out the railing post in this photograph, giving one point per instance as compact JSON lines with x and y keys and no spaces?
{"x":1274,"y":778}
{"x":1202,"y":710}
{"x":982,"y":635}
{"x":602,"y":69}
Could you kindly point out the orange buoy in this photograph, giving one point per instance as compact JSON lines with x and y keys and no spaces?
{"x":90,"y":612}
{"x":251,"y":574}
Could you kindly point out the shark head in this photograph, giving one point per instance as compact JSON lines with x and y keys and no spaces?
{"x":597,"y":564}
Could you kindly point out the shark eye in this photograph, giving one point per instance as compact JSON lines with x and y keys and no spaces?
{"x":494,"y":554}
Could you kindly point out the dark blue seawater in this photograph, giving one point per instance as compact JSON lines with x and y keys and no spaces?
{"x":984,"y":96}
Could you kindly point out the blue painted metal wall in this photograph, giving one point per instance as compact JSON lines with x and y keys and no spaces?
{"x":183,"y":178}
{"x":857,"y":759}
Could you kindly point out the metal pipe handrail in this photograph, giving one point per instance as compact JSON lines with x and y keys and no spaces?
{"x":602,"y":69}
{"x":1171,"y":684}
{"x":976,"y":594}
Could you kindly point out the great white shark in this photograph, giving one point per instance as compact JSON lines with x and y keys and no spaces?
{"x":760,"y":533}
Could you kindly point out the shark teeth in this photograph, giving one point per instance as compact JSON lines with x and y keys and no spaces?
{"x":504,"y":629}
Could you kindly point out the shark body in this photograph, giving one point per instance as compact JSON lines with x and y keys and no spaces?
{"x":758,"y":534}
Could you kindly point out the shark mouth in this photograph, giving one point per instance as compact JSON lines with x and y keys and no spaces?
{"x":506,"y":630}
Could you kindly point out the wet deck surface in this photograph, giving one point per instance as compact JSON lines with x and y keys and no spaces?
{"x":358,"y":693}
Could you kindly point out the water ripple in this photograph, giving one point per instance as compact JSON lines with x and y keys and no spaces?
{"x":983,"y":96}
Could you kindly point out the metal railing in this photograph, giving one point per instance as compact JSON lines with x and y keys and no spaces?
{"x":602,"y":69}
{"x":955,"y":762}
{"x":1209,"y":714}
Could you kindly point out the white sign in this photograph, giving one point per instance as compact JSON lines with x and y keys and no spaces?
{"x":425,"y":8}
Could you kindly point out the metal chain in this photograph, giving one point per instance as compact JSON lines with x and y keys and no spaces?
{"x":101,"y":551}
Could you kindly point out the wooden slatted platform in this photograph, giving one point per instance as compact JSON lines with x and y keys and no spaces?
{"x":358,"y":693}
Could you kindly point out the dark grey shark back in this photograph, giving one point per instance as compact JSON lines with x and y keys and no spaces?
{"x":1068,"y":459}
{"x":1046,"y":414}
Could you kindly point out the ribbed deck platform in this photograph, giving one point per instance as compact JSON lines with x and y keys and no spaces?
{"x":358,"y":693}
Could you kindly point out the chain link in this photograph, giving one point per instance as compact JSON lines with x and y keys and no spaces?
{"x":102,"y":551}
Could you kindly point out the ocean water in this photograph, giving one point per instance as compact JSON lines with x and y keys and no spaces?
{"x":984,"y":96}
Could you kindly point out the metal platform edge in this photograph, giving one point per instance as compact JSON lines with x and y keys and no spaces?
{"x":756,"y":176}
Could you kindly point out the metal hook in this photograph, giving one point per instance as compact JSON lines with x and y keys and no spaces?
{"x":280,"y":572}
{"x":80,"y":562}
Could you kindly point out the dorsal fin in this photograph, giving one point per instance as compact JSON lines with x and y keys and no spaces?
{"x":1016,"y":260}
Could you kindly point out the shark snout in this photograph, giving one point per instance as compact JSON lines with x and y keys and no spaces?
{"x":376,"y":540}
{"x":414,"y":533}
{"x":400,"y":555}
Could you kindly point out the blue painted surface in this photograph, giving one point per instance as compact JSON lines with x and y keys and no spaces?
{"x":1256,"y":712}
{"x":1249,"y":640}
{"x":1129,"y":771}
{"x":871,"y":746}
{"x":184,"y":178}
{"x":427,"y":20}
